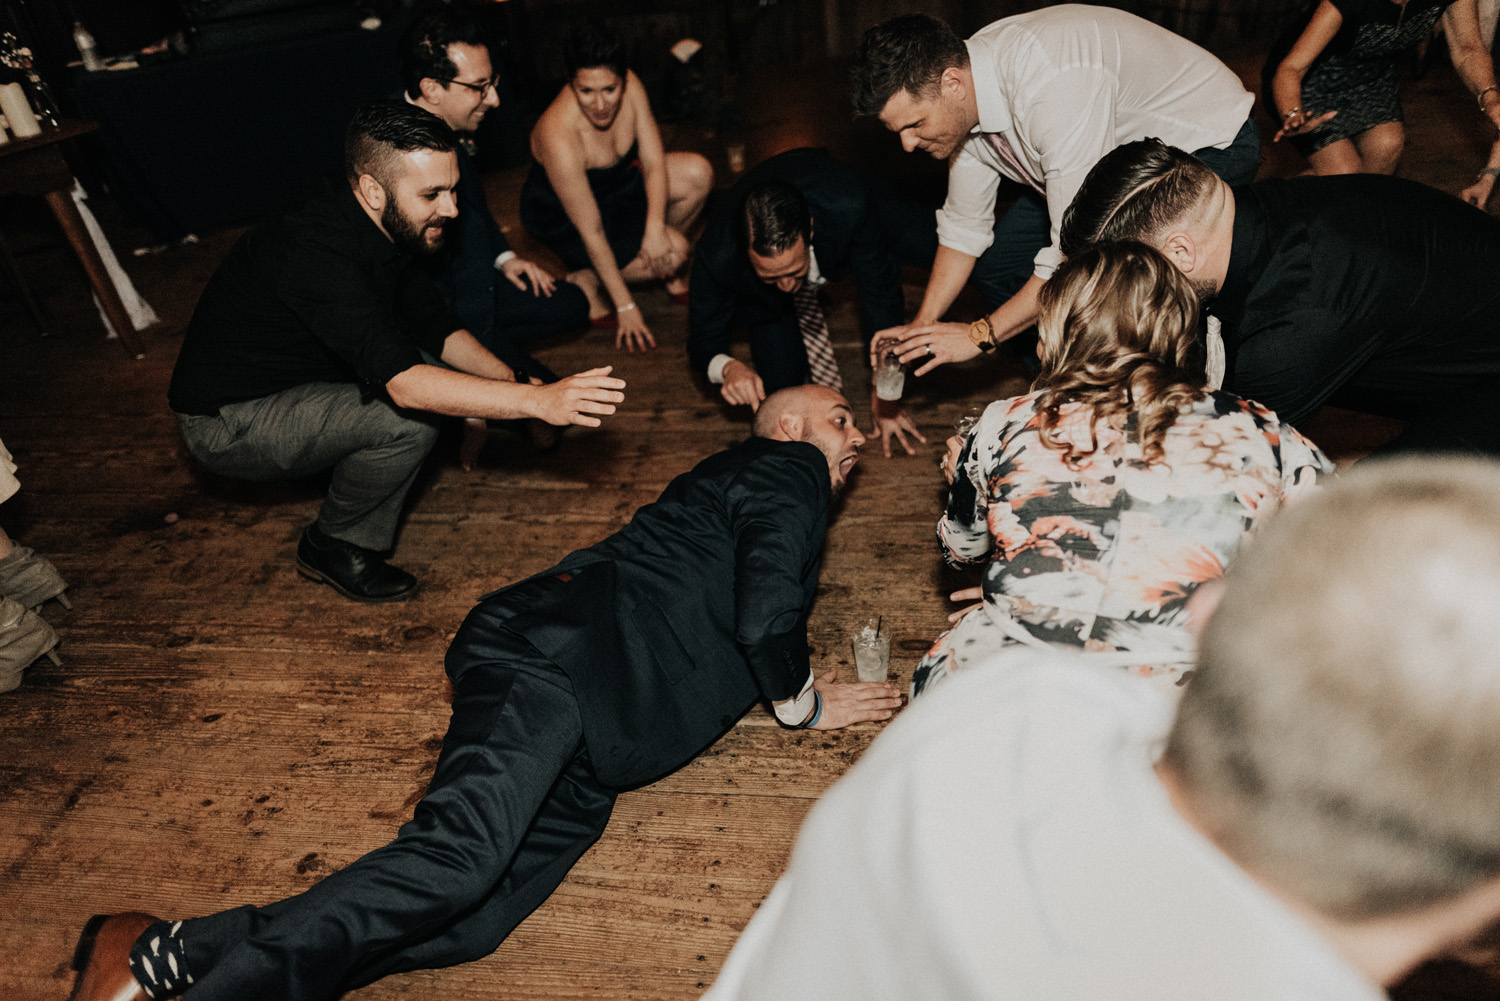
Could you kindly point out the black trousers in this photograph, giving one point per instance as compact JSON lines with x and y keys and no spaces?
{"x":512,"y":806}
{"x":521,"y":318}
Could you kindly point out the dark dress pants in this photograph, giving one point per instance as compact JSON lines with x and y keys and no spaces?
{"x":374,"y":449}
{"x":512,"y":806}
{"x":522,"y":318}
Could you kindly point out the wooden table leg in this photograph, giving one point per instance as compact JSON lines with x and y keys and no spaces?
{"x":8,"y":260}
{"x":83,"y":245}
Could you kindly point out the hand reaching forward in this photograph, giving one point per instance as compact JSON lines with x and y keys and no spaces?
{"x":573,"y":400}
{"x":632,"y":334}
{"x":855,"y":702}
{"x":1295,"y":123}
{"x":742,"y":387}
{"x":518,"y":271}
{"x":1478,"y":193}
{"x":892,"y":421}
{"x":931,"y":344}
{"x":974,"y":594}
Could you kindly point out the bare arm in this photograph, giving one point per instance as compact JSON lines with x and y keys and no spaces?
{"x":1471,"y":59}
{"x":653,"y":168}
{"x":463,"y":351}
{"x":1286,"y":85}
{"x":579,"y":399}
{"x":1478,"y":193}
{"x":561,"y":156}
{"x":950,"y":270}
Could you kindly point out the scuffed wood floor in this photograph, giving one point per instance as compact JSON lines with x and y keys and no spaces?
{"x":223,"y":731}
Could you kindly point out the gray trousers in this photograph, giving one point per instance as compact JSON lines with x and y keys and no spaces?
{"x":374,"y":450}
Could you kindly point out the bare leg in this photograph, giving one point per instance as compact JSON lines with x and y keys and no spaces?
{"x":690,"y":178}
{"x":1337,"y":158}
{"x":639,"y":270}
{"x":587,"y":281}
{"x":1381,"y":147}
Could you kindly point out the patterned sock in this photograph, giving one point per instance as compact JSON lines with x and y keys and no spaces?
{"x":159,"y":962}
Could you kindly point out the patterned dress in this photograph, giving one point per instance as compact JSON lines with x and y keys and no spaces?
{"x":1355,"y":74}
{"x":1105,"y":556}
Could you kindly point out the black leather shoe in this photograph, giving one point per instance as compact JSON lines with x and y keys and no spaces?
{"x":102,"y":958}
{"x":353,"y":571}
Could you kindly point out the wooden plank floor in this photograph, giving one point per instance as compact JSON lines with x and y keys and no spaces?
{"x":224,"y":732}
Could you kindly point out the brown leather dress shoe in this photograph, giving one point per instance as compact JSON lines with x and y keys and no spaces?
{"x":102,"y":958}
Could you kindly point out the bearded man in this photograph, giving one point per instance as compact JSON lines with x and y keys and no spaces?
{"x":318,"y":344}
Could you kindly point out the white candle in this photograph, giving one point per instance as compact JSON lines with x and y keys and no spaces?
{"x":18,"y":111}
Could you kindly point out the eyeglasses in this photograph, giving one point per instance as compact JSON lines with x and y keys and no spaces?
{"x":479,"y":88}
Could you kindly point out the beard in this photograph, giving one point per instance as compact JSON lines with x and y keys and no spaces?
{"x":1207,"y":289}
{"x":407,"y":235}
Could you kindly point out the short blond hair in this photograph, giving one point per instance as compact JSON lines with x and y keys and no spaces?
{"x":1118,"y":326}
{"x":1341,"y":738}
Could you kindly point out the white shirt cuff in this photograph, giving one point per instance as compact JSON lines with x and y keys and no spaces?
{"x":716,"y":368}
{"x":504,"y":258}
{"x":794,"y":711}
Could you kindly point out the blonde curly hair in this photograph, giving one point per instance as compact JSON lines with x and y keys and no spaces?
{"x":1119,"y":335}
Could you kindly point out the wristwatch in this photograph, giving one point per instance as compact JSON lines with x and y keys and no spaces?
{"x":979,"y":333}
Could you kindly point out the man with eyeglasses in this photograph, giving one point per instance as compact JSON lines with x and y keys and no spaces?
{"x":505,"y":300}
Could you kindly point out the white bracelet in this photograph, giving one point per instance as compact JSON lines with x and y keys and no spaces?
{"x":625,"y":308}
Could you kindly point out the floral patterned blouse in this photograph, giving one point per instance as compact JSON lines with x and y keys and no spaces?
{"x":1105,"y":556}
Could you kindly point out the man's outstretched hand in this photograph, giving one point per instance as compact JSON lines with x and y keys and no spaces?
{"x":855,"y":702}
{"x":581,"y":398}
{"x":891,"y":421}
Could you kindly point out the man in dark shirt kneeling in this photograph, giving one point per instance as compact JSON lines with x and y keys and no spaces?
{"x":319,"y":345}
{"x":1374,"y":292}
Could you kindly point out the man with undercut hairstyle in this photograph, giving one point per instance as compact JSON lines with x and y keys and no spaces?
{"x":792,"y":224}
{"x":1375,"y":292}
{"x":607,"y":671}
{"x":1321,"y":821}
{"x":318,"y":344}
{"x":1036,"y":98}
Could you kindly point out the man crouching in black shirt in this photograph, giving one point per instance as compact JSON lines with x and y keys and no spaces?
{"x":319,"y":345}
{"x":1373,"y":292}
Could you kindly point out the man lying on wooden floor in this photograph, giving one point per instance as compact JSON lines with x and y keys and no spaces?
{"x":607,"y":671}
{"x":1321,"y":821}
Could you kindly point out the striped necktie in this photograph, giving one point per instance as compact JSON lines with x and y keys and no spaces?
{"x":1007,"y":153}
{"x":820,"y":360}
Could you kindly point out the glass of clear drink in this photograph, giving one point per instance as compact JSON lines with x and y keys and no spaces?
{"x":890,"y":377}
{"x":872,"y":652}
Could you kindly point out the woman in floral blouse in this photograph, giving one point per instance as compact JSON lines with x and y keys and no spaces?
{"x":1102,"y":499}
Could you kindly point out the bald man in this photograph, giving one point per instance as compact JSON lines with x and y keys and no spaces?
{"x":612,"y":669}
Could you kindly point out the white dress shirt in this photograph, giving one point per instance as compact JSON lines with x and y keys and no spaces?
{"x":1065,"y":85}
{"x":1007,"y":838}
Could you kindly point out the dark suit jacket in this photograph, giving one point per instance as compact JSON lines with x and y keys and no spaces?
{"x":464,"y":270}
{"x":672,"y":627}
{"x":848,"y":239}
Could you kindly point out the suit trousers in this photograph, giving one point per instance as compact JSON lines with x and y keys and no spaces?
{"x":779,"y":354}
{"x":1026,"y":227}
{"x":512,"y":806}
{"x":521,"y":318}
{"x":373,"y":448}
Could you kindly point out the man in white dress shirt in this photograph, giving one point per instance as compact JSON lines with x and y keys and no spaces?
{"x":1321,"y":820}
{"x":1037,"y":99}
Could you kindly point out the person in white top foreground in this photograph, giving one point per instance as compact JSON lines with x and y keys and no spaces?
{"x":1037,"y":98}
{"x":1318,"y":820}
